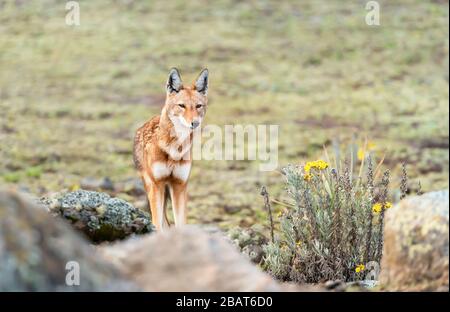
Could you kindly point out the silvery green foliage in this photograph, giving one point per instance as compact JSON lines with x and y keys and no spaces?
{"x":329,"y":230}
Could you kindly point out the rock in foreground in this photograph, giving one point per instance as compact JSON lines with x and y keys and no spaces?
{"x":187,"y":259}
{"x":99,"y":216}
{"x":35,"y":249}
{"x":250,"y":242}
{"x":416,"y":248}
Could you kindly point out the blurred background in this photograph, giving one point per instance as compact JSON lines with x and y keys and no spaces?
{"x":71,"y":97}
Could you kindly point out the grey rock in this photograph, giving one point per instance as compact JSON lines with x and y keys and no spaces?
{"x":369,"y":283}
{"x":254,"y":252}
{"x":336,"y":285}
{"x":416,"y":244}
{"x":358,"y":286}
{"x":249,"y":241}
{"x":99,"y":216}
{"x":188,"y":259}
{"x":35,"y":249}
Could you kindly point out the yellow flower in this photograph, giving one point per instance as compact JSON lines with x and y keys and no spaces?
{"x":298,"y":244}
{"x":376,"y":208}
{"x":279,"y":214}
{"x":321,"y":165}
{"x":369,"y":147}
{"x":307,"y":167}
{"x":360,"y":268}
{"x":307,"y":177}
{"x":361,"y":153}
{"x":318,"y":164}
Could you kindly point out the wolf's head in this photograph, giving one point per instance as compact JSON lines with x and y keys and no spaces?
{"x":186,"y":105}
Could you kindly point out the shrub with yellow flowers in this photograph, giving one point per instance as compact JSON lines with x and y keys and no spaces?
{"x":334,"y":225}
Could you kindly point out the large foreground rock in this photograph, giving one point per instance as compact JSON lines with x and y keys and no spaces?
{"x":99,"y":216}
{"x":35,"y":249}
{"x":416,"y":248}
{"x":187,"y":259}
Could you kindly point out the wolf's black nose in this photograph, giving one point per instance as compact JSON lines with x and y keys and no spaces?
{"x":194,"y":124}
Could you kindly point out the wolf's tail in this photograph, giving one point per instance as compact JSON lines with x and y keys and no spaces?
{"x":138,"y":150}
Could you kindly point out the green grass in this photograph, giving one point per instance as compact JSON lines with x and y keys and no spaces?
{"x":71,"y":97}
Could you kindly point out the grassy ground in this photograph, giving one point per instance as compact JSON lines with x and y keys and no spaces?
{"x":71,"y":97}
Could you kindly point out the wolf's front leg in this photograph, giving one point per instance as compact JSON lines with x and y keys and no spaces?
{"x":156,"y":199}
{"x":178,"y":193}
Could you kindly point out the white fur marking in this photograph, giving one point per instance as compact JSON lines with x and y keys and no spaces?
{"x":182,"y":172}
{"x":181,"y":127}
{"x":160,"y":170}
{"x":182,"y":133}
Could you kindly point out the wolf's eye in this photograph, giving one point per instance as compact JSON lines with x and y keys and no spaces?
{"x":198,"y":106}
{"x":182,"y":105}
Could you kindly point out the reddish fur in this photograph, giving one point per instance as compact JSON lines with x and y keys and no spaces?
{"x":157,"y":132}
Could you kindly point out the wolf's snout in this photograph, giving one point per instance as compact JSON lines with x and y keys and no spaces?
{"x":194,"y":124}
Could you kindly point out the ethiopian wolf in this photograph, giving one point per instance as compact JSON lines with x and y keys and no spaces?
{"x":163,"y":147}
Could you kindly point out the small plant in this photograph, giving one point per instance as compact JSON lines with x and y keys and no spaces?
{"x":12,"y":177}
{"x":34,"y":172}
{"x":334,"y":224}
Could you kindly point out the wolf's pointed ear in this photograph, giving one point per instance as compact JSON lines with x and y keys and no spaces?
{"x":174,"y":83}
{"x":201,"y":85}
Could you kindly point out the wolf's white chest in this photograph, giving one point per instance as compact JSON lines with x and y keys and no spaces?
{"x":161,"y":170}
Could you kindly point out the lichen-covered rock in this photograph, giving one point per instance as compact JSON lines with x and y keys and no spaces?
{"x":99,"y":216}
{"x":416,"y":247}
{"x":188,"y":259}
{"x":35,"y":249}
{"x":249,"y":241}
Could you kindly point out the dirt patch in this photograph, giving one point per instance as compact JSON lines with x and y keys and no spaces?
{"x":327,"y":122}
{"x":441,"y":143}
{"x":152,"y":100}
